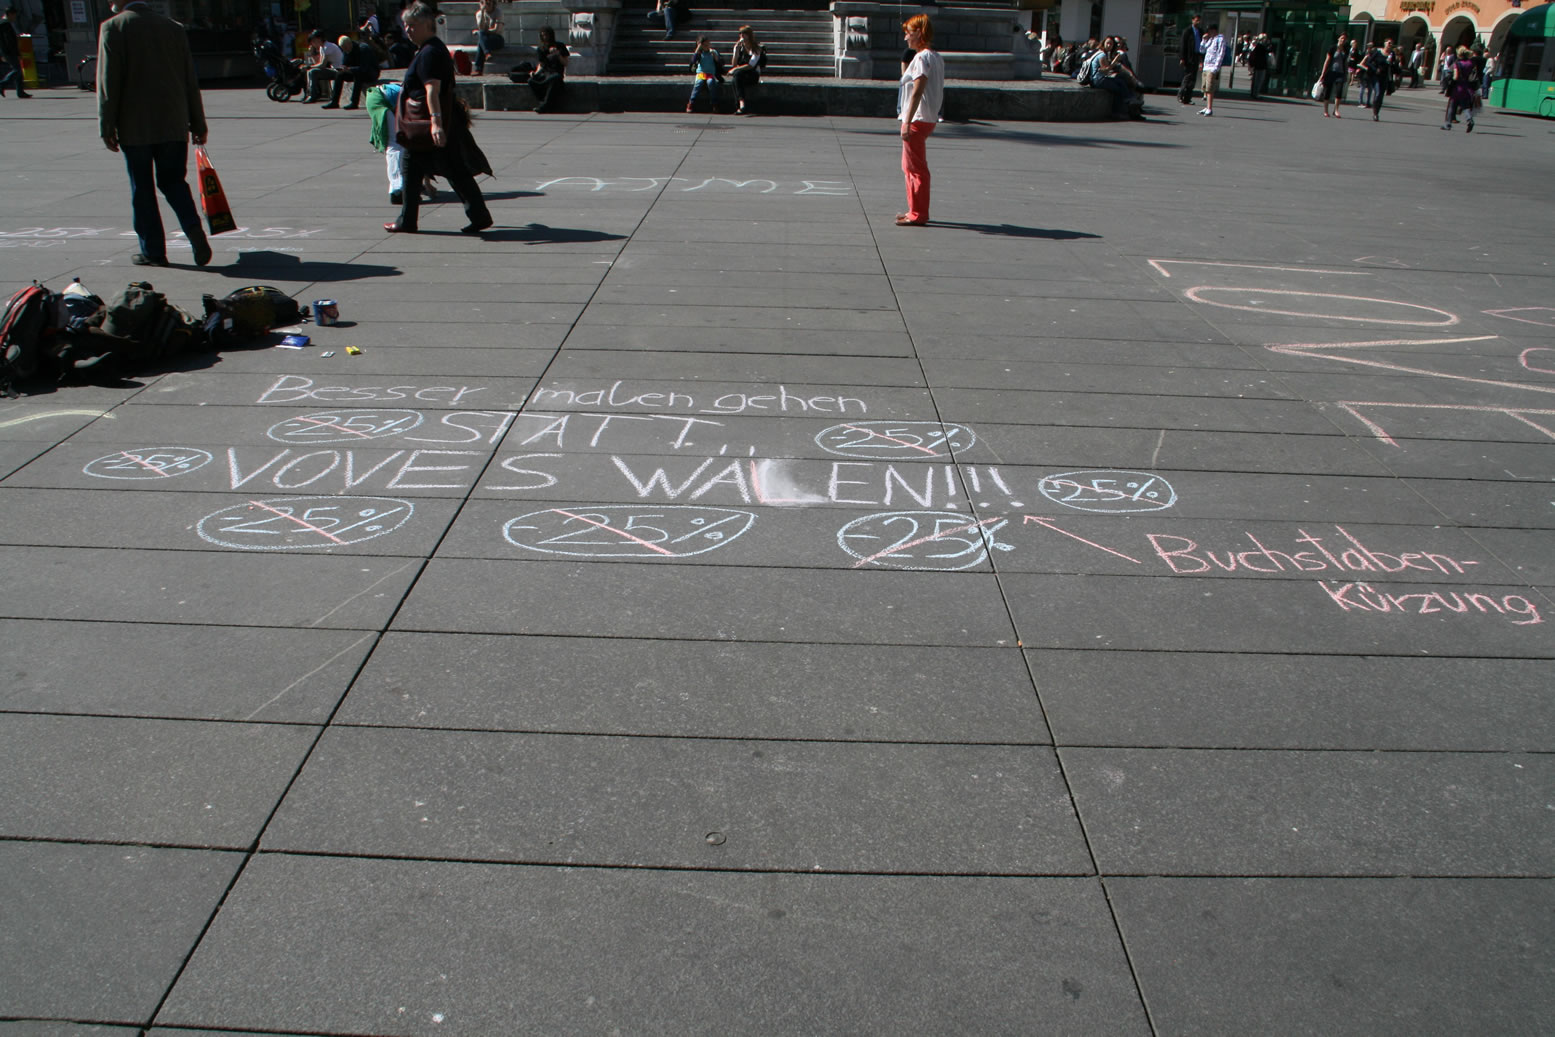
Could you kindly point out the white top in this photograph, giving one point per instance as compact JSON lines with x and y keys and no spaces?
{"x":1214,"y":53}
{"x":930,"y":67}
{"x":333,"y":56}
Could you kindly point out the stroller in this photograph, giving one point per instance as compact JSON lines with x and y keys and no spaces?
{"x":286,"y":76}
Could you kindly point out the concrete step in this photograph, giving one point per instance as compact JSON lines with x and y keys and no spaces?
{"x":799,"y":43}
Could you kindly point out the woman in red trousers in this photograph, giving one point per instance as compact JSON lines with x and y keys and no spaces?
{"x":922,"y":90}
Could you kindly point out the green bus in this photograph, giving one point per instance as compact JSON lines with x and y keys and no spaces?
{"x":1528,"y":64}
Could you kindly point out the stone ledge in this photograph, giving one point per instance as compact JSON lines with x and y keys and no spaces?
{"x":1021,"y":100}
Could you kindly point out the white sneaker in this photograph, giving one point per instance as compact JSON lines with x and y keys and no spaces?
{"x":1205,"y":111}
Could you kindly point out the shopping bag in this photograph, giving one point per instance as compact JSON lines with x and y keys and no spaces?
{"x":1317,"y":90}
{"x":218,"y":214}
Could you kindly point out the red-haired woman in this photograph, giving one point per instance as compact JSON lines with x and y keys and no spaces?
{"x":922,"y":91}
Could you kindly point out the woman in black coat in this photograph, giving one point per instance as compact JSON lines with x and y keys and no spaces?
{"x":431,"y":75}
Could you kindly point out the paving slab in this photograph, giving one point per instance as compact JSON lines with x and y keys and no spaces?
{"x":1248,"y":700}
{"x":1343,"y":617}
{"x":721,"y":532}
{"x":221,"y":673}
{"x":246,"y":522}
{"x":487,"y":948}
{"x":239,"y":588}
{"x":1341,"y":956}
{"x":99,"y":932}
{"x":895,"y":693}
{"x":678,"y":803}
{"x":164,"y":782}
{"x":1278,"y":812}
{"x":521,"y":597}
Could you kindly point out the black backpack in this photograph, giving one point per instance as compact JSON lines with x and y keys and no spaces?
{"x":32,"y":316}
{"x":247,"y":314}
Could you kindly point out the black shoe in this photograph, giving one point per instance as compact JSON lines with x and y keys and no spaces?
{"x":351,"y":107}
{"x":396,"y":197}
{"x":143,"y":260}
{"x":477,"y":226}
{"x":202,"y":252}
{"x":331,"y":104}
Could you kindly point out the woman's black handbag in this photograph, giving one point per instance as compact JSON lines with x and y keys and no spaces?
{"x":413,"y":123}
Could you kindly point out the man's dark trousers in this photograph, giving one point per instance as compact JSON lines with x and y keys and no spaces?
{"x":1190,"y":77}
{"x":153,"y":167}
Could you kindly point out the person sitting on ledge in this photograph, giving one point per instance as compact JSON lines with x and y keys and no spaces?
{"x":361,"y":69}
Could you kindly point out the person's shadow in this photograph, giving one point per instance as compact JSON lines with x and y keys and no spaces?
{"x":1009,"y":230}
{"x":540,"y":234}
{"x":284,"y":266}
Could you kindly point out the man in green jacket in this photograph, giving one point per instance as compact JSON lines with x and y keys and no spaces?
{"x":149,"y":107}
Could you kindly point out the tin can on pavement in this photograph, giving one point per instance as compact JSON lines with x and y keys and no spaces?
{"x":326,"y":312}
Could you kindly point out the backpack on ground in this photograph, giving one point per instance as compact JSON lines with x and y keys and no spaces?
{"x":247,"y":314}
{"x":32,"y":316}
{"x":150,"y":328}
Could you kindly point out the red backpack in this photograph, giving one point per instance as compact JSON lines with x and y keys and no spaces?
{"x":31,"y":318}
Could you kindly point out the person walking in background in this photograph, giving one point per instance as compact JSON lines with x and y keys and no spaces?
{"x":1214,"y":59}
{"x":431,"y":75}
{"x":922,"y":94}
{"x":488,"y":26}
{"x":1336,"y":68}
{"x":149,"y":108}
{"x":1376,"y":76}
{"x":707,"y":69}
{"x":11,"y":55}
{"x":749,"y":57}
{"x":546,"y":81}
{"x":1258,"y":65}
{"x":1191,"y":55}
{"x":1460,"y":89}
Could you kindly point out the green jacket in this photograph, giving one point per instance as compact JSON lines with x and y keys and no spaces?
{"x":147,"y":92}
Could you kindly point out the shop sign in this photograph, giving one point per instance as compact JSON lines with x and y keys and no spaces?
{"x":1463,"y":5}
{"x":1417,"y":5}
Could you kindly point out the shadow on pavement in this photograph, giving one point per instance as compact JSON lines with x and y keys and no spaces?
{"x":282,"y":266}
{"x":540,"y":234}
{"x":1009,"y":230}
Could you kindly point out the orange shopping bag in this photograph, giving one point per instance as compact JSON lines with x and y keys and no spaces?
{"x":212,"y":198}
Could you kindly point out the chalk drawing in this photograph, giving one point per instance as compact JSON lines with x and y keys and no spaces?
{"x":627,"y":531}
{"x":1525,"y":415}
{"x":1319,"y":350}
{"x":1109,"y":491}
{"x":294,"y":523}
{"x":924,"y":540}
{"x":1198,"y":293}
{"x":1544,"y":316}
{"x":344,"y":426}
{"x":893,"y":440}
{"x":152,"y":462}
{"x":1047,"y":523}
{"x":1161,"y":265}
{"x":679,"y":185}
{"x":32,"y":414}
{"x":1526,"y":358}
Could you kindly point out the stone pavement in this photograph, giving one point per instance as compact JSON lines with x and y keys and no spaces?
{"x":1121,"y":607}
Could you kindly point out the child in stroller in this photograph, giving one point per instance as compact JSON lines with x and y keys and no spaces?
{"x":285,"y":75}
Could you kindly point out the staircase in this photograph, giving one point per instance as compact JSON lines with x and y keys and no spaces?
{"x":799,"y":43}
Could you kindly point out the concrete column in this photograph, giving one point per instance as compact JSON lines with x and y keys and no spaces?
{"x":1123,"y":18}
